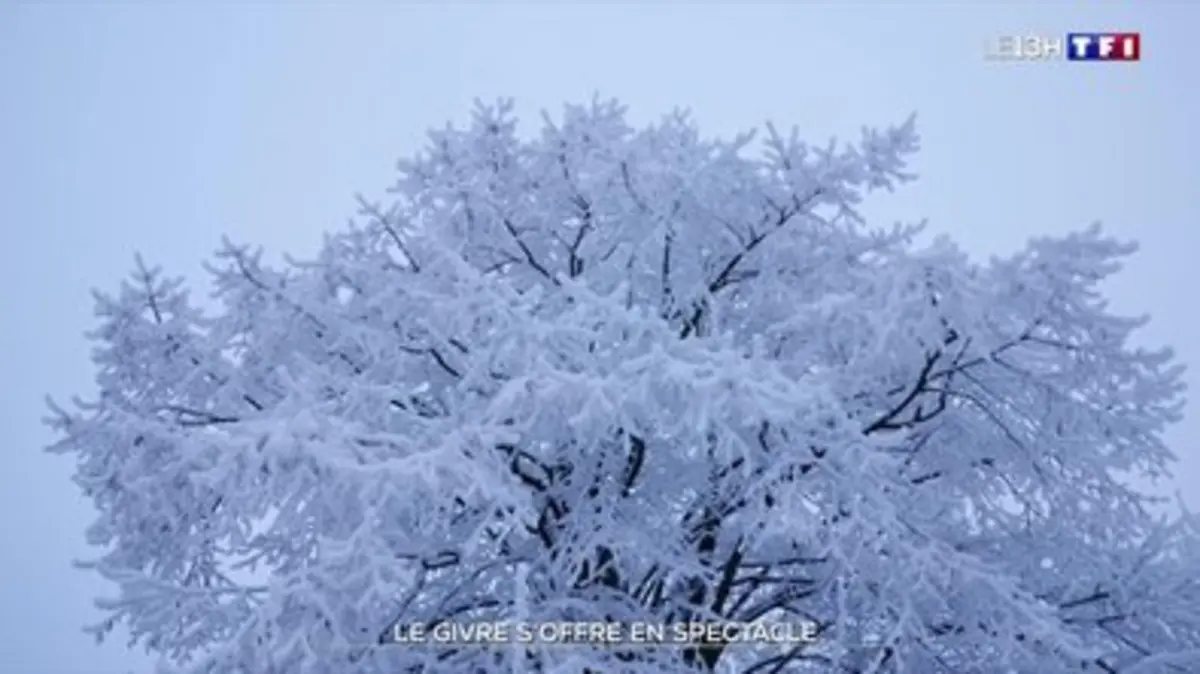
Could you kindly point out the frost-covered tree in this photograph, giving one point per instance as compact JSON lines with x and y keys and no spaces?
{"x":636,"y":374}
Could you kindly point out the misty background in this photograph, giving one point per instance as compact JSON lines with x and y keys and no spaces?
{"x":158,"y":128}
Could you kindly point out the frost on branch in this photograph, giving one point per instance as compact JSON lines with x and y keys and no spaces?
{"x":609,"y":373}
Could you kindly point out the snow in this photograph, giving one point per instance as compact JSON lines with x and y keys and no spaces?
{"x":609,"y":373}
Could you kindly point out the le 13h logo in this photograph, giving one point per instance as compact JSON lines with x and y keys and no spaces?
{"x":1116,"y":47}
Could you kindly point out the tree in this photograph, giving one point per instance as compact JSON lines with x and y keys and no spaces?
{"x":622,"y":374}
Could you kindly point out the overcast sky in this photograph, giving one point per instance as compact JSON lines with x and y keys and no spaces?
{"x":132,"y":127}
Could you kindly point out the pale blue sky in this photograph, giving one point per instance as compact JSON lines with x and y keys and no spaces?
{"x":137,"y":127}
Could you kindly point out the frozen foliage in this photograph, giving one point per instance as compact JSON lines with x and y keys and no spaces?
{"x":609,"y":373}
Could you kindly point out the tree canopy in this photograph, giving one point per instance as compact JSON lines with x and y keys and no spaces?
{"x":610,"y":373}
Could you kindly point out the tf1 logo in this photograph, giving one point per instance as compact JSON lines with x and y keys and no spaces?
{"x":1076,"y":47}
{"x":1104,"y":46}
